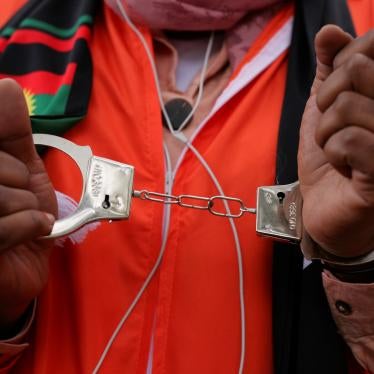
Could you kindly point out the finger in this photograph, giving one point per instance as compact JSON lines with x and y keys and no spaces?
{"x":357,"y":75}
{"x":15,"y":128}
{"x":328,"y":42}
{"x":363,"y":45}
{"x":352,"y":149}
{"x":349,"y":109}
{"x":16,"y":139}
{"x":13,"y":173}
{"x":14,"y":200}
{"x":24,"y":226}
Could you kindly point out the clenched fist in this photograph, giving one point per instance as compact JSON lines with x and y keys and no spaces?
{"x":336,"y":154}
{"x":27,"y":209}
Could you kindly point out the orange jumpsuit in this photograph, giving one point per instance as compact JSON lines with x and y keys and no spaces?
{"x":190,"y":311}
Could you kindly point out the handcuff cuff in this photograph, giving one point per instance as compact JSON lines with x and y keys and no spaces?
{"x":108,"y":191}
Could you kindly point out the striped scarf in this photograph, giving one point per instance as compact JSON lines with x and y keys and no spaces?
{"x":45,"y":48}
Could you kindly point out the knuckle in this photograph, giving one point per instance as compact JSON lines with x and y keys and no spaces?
{"x":32,"y":200}
{"x":357,"y":64}
{"x":36,"y":220}
{"x":342,"y":104}
{"x":29,"y":201}
{"x":12,"y":201}
{"x":23,"y":171}
{"x":338,"y":61}
{"x":350,"y":138}
{"x":15,"y":164}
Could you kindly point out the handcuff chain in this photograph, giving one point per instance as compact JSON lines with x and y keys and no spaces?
{"x":197,"y":202}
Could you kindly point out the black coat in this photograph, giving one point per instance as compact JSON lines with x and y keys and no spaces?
{"x":306,"y":340}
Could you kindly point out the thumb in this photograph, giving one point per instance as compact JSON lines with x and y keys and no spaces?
{"x":16,"y":140}
{"x":328,"y":42}
{"x":15,"y":128}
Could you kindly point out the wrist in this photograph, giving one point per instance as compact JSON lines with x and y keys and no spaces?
{"x":357,"y":269}
{"x":279,"y":215}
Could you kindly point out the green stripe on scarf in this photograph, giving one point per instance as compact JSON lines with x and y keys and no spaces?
{"x":61,"y":80}
{"x":56,"y":31}
{"x":7,"y":32}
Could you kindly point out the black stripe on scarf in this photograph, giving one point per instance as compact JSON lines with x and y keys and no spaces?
{"x":51,"y":112}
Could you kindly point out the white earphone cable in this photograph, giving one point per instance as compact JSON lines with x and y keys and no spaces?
{"x":237,"y":247}
{"x":144,"y":286}
{"x":154,"y":70}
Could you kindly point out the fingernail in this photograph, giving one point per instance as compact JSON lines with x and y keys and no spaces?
{"x":51,"y":218}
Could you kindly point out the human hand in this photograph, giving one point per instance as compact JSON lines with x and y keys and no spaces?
{"x":26,"y":199}
{"x":336,"y":152}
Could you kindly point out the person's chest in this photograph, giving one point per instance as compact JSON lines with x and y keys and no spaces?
{"x":198,"y":275}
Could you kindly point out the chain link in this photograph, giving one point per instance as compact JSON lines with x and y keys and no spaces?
{"x":198,"y":202}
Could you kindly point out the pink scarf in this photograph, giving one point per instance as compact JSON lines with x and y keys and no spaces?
{"x":243,"y":19}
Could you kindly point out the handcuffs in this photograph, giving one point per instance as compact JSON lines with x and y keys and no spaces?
{"x":108,"y":192}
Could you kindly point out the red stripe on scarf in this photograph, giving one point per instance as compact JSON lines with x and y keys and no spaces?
{"x":33,"y":36}
{"x":44,"y":82}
